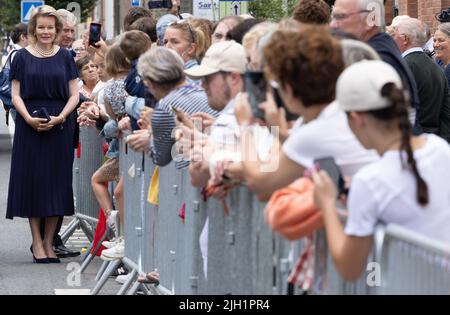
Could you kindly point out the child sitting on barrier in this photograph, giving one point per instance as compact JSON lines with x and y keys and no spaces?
{"x":115,"y":96}
{"x":408,"y":186}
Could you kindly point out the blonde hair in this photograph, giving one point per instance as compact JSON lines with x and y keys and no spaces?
{"x":256,"y":32}
{"x":44,"y":11}
{"x":194,"y":35}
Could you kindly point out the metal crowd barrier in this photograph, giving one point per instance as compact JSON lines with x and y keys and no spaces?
{"x":412,"y":263}
{"x":408,"y":262}
{"x":86,"y":163}
{"x":243,"y":255}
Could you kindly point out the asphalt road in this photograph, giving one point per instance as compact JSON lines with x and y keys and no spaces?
{"x":18,"y":275}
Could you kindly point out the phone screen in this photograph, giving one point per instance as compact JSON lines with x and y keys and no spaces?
{"x":255,"y":85}
{"x":329,"y":165}
{"x":95,"y":31}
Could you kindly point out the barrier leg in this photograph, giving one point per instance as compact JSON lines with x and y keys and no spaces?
{"x":128,"y":283}
{"x":134,"y":288}
{"x":86,"y":254}
{"x":109,"y":271}
{"x":68,"y":232}
{"x":101,"y":270}
{"x":91,"y":256}
{"x":145,"y":289}
{"x":86,"y":230}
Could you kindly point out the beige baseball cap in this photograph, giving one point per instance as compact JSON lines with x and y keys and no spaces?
{"x":227,"y":56}
{"x":359,"y":86}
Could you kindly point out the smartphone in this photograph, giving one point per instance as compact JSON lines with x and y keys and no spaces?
{"x":160,"y":4}
{"x":329,"y":165}
{"x":95,"y":32}
{"x":42,"y":113}
{"x":279,"y":101}
{"x":255,"y":85}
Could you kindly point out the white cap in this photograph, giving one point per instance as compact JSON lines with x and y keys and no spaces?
{"x":227,"y":56}
{"x":359,"y":86}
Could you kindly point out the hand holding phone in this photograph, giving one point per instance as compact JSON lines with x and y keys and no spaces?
{"x":95,"y":32}
{"x":255,"y":86}
{"x":329,"y":165}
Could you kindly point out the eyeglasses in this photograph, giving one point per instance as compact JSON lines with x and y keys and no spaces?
{"x":77,"y":50}
{"x":343,"y":16}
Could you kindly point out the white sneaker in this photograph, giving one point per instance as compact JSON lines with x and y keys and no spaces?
{"x":113,"y":242}
{"x":116,"y":252}
{"x":112,"y":222}
{"x":123,"y":278}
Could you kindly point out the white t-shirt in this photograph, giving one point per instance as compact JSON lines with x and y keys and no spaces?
{"x":386,"y":192}
{"x":328,"y":135}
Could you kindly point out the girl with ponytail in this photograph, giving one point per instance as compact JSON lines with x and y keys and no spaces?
{"x":407,"y":186}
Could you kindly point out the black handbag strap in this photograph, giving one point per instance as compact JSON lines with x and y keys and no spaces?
{"x":8,"y":61}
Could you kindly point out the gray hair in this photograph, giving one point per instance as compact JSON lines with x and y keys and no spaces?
{"x":67,"y":16}
{"x":354,"y":51}
{"x":161,"y":65}
{"x":415,"y":30}
{"x":444,"y":28}
{"x":377,"y":8}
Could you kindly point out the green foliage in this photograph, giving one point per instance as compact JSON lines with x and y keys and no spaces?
{"x":10,"y":10}
{"x":273,"y":10}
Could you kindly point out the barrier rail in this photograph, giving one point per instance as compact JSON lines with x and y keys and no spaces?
{"x":87,"y":161}
{"x":243,"y":255}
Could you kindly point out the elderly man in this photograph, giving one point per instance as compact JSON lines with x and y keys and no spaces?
{"x":365,"y":20}
{"x":433,"y":114}
{"x":68,"y":34}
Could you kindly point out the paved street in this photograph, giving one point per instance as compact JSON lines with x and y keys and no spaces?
{"x":18,"y":275}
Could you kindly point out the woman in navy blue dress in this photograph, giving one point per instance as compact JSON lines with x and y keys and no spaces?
{"x":43,"y":76}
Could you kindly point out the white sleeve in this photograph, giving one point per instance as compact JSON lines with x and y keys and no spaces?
{"x":302,"y":147}
{"x":362,"y":209}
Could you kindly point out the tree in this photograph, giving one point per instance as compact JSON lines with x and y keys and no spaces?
{"x":10,"y":10}
{"x":273,"y":10}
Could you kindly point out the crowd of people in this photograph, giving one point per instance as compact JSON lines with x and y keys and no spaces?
{"x":237,"y":101}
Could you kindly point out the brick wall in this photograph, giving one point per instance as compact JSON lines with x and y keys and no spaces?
{"x":424,"y":10}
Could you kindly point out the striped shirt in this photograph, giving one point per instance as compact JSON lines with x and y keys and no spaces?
{"x":189,"y":99}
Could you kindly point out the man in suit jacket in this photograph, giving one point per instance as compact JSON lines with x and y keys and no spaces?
{"x":433,"y":114}
{"x":366,"y":21}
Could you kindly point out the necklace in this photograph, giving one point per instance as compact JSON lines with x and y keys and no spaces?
{"x":44,"y":53}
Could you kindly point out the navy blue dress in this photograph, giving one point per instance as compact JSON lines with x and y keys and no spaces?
{"x":40,"y":183}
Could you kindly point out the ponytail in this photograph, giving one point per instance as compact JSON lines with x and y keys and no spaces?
{"x":398,"y":109}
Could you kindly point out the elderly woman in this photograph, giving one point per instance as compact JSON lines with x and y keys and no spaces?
{"x":441,"y":47}
{"x":43,"y":80}
{"x":162,"y":71}
{"x":88,"y":75}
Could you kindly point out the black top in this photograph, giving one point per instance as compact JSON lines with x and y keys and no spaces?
{"x":433,"y":114}
{"x":386,"y":47}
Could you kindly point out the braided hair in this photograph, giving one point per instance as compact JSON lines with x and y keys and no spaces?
{"x":398,"y":110}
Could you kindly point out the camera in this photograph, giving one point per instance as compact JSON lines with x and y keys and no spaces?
{"x":160,"y":4}
{"x":443,"y":16}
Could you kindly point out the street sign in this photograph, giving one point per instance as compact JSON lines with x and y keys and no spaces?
{"x":236,"y":8}
{"x":26,"y":9}
{"x":135,"y":3}
{"x":206,"y":9}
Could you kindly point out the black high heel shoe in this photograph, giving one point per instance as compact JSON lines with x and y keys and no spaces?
{"x":45,"y":260}
{"x":54,"y":260}
{"x":41,"y":260}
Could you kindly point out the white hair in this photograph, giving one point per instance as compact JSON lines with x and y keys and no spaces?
{"x":67,"y":16}
{"x":414,"y":29}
